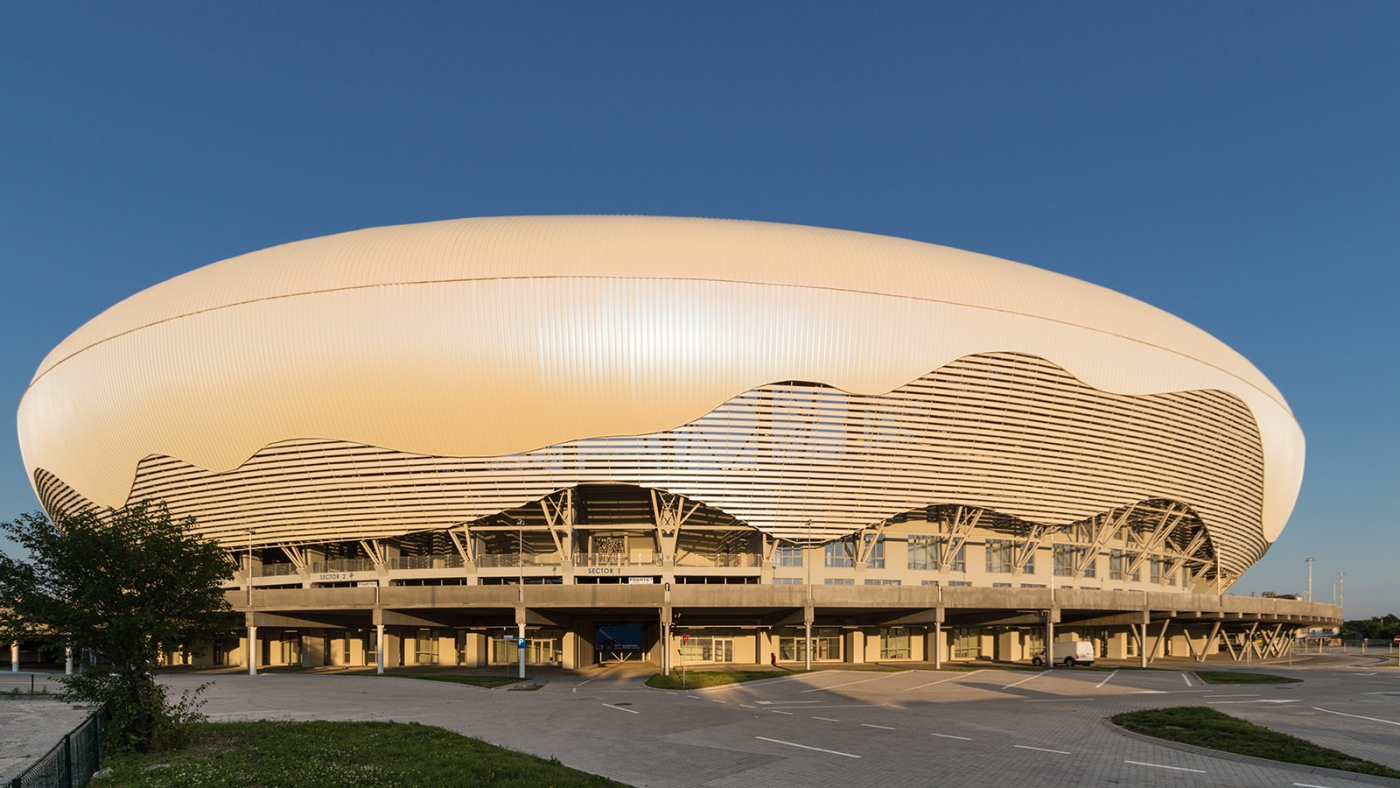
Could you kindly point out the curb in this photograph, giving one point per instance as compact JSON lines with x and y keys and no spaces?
{"x":1250,"y":759}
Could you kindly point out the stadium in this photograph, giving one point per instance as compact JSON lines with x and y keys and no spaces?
{"x":679,"y":439}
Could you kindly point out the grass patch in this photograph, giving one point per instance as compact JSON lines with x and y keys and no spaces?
{"x":489,"y":682}
{"x":1238,"y":677}
{"x":337,"y":755}
{"x":696,"y":679}
{"x":1203,"y":727}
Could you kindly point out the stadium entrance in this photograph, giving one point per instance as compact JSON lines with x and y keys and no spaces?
{"x":619,"y":642}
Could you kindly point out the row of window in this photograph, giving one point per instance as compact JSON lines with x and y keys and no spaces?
{"x":926,"y":553}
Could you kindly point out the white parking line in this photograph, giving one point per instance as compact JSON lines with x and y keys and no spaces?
{"x":1187,"y":680}
{"x":940,"y":681}
{"x":1264,"y":700}
{"x":581,"y":683}
{"x":776,"y":711}
{"x":826,"y":719}
{"x":1173,"y":768}
{"x":805,"y":747}
{"x":1040,"y":749}
{"x":1240,"y":695}
{"x":1105,"y":681}
{"x":746,"y":706}
{"x":1357,"y":716}
{"x":1023,"y":681}
{"x":619,"y":708}
{"x":881,"y":727}
{"x":1058,"y":700}
{"x":1310,"y":785}
{"x":950,"y":736}
{"x":849,"y":683}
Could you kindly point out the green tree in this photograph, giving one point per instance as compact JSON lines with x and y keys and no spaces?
{"x":1382,"y":628}
{"x":127,"y":583}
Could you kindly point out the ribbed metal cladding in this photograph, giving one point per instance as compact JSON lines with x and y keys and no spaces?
{"x":1005,"y":431}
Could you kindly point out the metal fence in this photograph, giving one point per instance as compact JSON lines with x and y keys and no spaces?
{"x":72,"y":763}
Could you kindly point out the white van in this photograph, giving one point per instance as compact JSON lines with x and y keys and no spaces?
{"x":1070,"y":653}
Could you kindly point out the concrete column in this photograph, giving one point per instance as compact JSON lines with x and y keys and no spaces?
{"x":855,"y":649}
{"x":807,"y":615}
{"x":379,"y":648}
{"x":252,"y":650}
{"x":14,"y":657}
{"x":1143,"y":645}
{"x":67,"y":660}
{"x":1049,"y":639}
{"x":938,"y":645}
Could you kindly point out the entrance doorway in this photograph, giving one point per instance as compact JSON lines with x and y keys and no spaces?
{"x":620,"y":642}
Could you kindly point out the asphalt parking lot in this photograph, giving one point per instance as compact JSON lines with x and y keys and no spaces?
{"x":855,"y":728}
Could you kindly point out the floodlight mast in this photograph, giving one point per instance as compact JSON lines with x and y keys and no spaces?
{"x":1309,"y":561}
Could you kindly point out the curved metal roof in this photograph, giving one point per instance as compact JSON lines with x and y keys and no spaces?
{"x":496,"y":336}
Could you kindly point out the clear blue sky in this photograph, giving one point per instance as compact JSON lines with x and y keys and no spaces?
{"x":1237,"y":164}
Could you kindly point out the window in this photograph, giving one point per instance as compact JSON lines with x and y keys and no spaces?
{"x":826,"y":645}
{"x":876,"y":558}
{"x":870,"y":582}
{"x":841,"y":553}
{"x":924,"y":550}
{"x":894,"y":643}
{"x":967,"y":643}
{"x":961,"y":583}
{"x":840,"y":581}
{"x":929,"y":583}
{"x":787,"y":554}
{"x":1001,"y":585}
{"x":426,"y":642}
{"x":787,"y":581}
{"x":1089,"y":570}
{"x":1064,"y":560}
{"x":1156,"y":569}
{"x":1115,"y":565}
{"x":999,"y":555}
{"x":1032,"y":585}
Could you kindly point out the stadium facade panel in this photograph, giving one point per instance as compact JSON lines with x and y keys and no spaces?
{"x":606,"y":399}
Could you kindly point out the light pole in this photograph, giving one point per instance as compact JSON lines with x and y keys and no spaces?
{"x":807,"y":619}
{"x":1309,"y":561}
{"x":1341,"y":589}
{"x":252,"y":625}
{"x":248,"y":581}
{"x":520,"y":592}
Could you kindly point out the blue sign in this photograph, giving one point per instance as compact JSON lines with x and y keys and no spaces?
{"x":520,"y":642}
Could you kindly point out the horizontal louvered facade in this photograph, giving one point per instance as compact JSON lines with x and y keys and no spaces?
{"x":808,"y":383}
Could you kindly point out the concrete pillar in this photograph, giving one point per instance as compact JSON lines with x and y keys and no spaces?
{"x":313,"y":649}
{"x":807,"y":627}
{"x":252,"y":650}
{"x":67,"y":660}
{"x":763,"y":647}
{"x":1143,"y":644}
{"x":1050,"y":640}
{"x":937,"y":645}
{"x":14,"y":657}
{"x":379,"y":648}
{"x":447,"y":648}
{"x":855,"y":647}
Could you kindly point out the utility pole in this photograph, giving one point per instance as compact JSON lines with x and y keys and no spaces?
{"x":1309,"y":561}
{"x":808,"y":623}
{"x":1341,"y":589}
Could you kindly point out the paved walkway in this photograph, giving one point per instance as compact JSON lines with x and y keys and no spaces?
{"x":856,"y":728}
{"x":30,"y":727}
